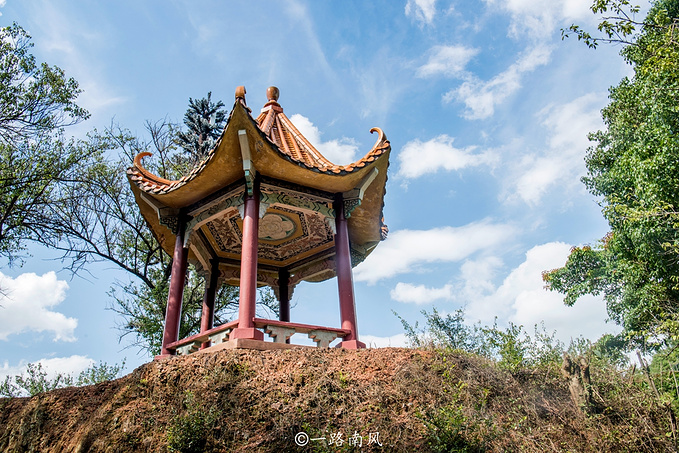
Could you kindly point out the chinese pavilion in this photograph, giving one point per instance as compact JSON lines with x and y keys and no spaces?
{"x":264,"y":208}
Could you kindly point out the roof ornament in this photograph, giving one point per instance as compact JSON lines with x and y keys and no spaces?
{"x":240,"y":97}
{"x":150,"y":176}
{"x":272,"y":93}
{"x":382,"y":143}
{"x":240,"y":92}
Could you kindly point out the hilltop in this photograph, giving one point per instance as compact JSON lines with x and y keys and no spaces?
{"x":405,"y":399}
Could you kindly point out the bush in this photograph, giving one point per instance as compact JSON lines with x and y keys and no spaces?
{"x":513,"y":348}
{"x":35,"y":381}
{"x":187,"y":432}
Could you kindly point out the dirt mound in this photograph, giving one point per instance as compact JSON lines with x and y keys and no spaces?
{"x":332,"y":400}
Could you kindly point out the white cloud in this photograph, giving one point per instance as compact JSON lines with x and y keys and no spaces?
{"x":394,"y":341}
{"x":478,"y":275}
{"x":539,"y":175}
{"x":341,"y":152}
{"x":480,"y":98}
{"x":28,"y":303}
{"x":421,"y":10}
{"x":539,"y":18}
{"x":447,"y":60}
{"x":522,"y":299}
{"x":561,"y":162}
{"x":407,"y":250}
{"x":420,"y":158}
{"x":72,"y":365}
{"x":420,"y":294}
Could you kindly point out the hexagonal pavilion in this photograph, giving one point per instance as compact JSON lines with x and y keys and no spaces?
{"x":264,"y":208}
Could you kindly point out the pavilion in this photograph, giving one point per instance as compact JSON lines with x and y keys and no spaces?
{"x":264,"y":208}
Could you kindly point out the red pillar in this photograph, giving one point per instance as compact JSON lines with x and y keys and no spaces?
{"x":208,"y":311}
{"x":283,"y":295}
{"x":173,"y":312}
{"x":248,"y":270}
{"x":345,"y":281}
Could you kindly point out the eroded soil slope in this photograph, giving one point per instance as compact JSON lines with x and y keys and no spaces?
{"x":406,"y":400}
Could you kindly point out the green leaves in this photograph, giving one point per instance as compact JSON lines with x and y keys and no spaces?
{"x":619,"y":27}
{"x":205,"y":121}
{"x":34,"y":99}
{"x":36,"y":161}
{"x":32,"y":178}
{"x":584,"y":273}
{"x":634,"y":168}
{"x":35,"y":380}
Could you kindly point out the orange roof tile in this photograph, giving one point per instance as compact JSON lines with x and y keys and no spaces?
{"x":290,"y":141}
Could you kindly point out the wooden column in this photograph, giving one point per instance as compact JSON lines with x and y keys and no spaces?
{"x":173,"y":312}
{"x":283,"y":295}
{"x":345,"y":281}
{"x":208,"y":311}
{"x":248,"y":270}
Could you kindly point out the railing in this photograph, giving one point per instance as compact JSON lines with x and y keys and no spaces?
{"x":280,"y":331}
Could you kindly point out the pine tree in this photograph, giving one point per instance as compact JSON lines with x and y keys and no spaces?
{"x":204,"y":120}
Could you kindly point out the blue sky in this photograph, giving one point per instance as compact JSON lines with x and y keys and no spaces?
{"x":487,"y":111}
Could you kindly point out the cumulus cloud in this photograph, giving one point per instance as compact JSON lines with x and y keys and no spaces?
{"x":420,"y":294}
{"x":448,"y":61}
{"x":409,"y":250}
{"x":394,"y":341}
{"x":561,"y":162}
{"x":522,"y":299}
{"x":419,"y":158}
{"x":478,"y":275}
{"x":72,"y":365}
{"x":28,"y":305}
{"x":341,"y":152}
{"x":421,"y":10}
{"x":480,"y":98}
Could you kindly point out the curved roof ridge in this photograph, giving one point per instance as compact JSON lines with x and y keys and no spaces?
{"x":316,"y":155}
{"x":155,"y":184}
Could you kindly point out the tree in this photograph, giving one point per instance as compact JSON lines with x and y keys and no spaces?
{"x":204,"y":120}
{"x":29,"y":175}
{"x":36,"y":102}
{"x":35,"y":380}
{"x":617,"y":28}
{"x":36,"y":99}
{"x":634,"y":168}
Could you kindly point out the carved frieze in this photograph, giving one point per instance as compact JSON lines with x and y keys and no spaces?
{"x":284,"y":234}
{"x":233,"y":200}
{"x":170,"y":221}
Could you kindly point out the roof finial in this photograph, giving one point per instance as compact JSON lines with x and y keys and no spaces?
{"x":272,"y":94}
{"x":240,"y":92}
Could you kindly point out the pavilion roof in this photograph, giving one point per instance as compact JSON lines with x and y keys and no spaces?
{"x":278,"y":128}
